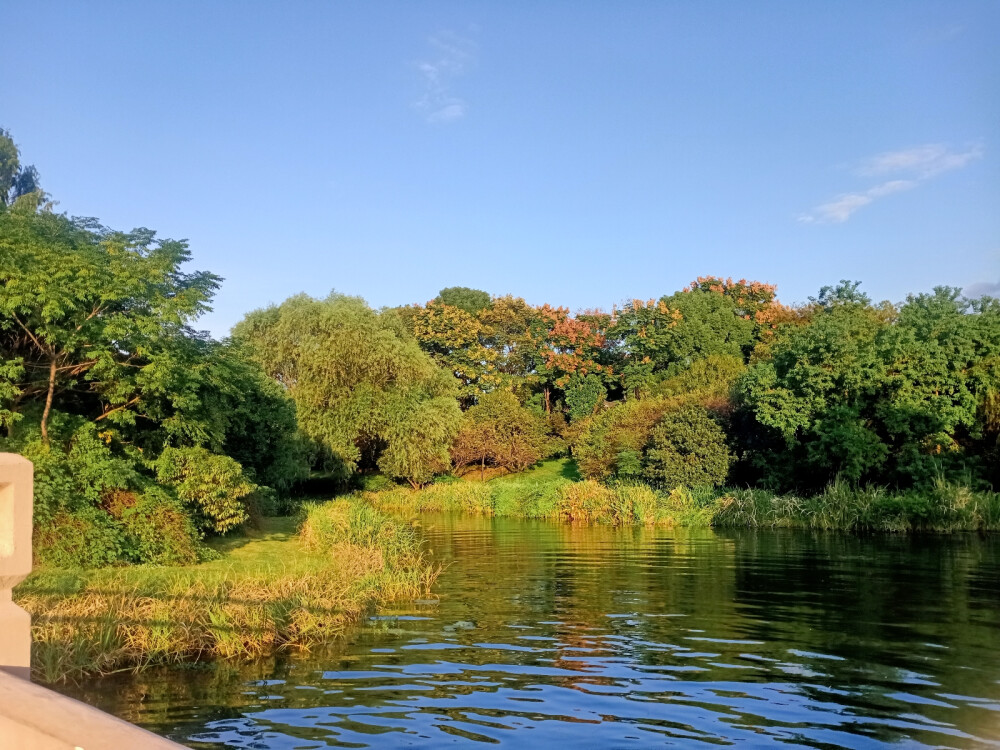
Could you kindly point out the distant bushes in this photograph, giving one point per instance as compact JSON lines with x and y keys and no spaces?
{"x":669,"y":442}
{"x":618,"y":436}
{"x":941,"y":507}
{"x":686,"y":449}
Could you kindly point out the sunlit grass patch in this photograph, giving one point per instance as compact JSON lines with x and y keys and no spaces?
{"x":274,"y":589}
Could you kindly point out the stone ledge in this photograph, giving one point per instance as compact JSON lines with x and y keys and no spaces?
{"x":40,"y":719}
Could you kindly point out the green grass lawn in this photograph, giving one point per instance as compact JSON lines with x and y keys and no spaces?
{"x":546,"y":471}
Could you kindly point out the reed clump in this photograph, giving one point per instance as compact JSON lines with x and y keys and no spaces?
{"x":588,"y":501}
{"x":283,"y":589}
{"x":942,"y":506}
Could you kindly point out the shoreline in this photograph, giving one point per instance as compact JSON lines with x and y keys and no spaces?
{"x":550,"y":492}
{"x":276,"y":588}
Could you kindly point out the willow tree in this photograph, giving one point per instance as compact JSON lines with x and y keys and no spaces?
{"x":364,"y":390}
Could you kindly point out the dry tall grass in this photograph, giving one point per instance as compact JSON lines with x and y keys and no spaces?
{"x":276,"y":591}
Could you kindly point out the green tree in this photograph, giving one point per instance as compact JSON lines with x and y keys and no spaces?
{"x":16,"y":180}
{"x":687,"y":449}
{"x":584,"y":395}
{"x":712,"y":318}
{"x":456,"y":340}
{"x":819,"y":390}
{"x":471,"y":301}
{"x":360,"y":382}
{"x":943,"y":367}
{"x":86,"y":307}
{"x":500,"y":433}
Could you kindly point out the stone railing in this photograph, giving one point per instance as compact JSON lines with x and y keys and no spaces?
{"x":32,"y":717}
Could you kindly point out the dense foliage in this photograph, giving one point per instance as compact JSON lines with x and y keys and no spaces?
{"x":686,"y":449}
{"x":500,"y":433}
{"x":878,"y":393}
{"x":365,"y":392}
{"x":144,"y":432}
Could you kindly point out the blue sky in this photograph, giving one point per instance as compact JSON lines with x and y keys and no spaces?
{"x":578,"y":153}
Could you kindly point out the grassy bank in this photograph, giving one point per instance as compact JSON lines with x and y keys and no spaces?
{"x":553,"y":491}
{"x":293,"y":583}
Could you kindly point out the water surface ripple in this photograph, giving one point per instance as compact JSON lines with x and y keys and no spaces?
{"x":546,"y":634}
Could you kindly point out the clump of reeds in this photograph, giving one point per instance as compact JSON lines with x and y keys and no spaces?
{"x":942,"y":506}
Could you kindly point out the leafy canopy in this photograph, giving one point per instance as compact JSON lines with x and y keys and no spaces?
{"x":364,"y":391}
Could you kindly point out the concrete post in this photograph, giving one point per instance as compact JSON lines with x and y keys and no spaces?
{"x":16,"y":480}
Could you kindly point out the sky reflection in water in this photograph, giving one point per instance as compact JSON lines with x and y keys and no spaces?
{"x":549,"y":634}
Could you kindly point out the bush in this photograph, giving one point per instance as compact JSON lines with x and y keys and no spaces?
{"x":623,"y":428}
{"x":86,"y":537}
{"x":75,"y":471}
{"x":213,"y":486}
{"x":156,"y":527}
{"x":499,"y":432}
{"x":687,"y":449}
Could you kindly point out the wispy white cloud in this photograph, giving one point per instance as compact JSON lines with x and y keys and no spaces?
{"x":981,"y":289}
{"x":922,"y":162}
{"x":451,"y":57}
{"x":910,"y":167}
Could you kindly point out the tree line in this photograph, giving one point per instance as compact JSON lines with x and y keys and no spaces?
{"x":148,"y":434}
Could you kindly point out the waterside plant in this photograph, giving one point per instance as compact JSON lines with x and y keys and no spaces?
{"x":942,"y":506}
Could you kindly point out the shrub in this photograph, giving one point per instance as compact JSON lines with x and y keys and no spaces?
{"x":499,"y":432}
{"x":622,"y":428}
{"x":213,"y":486}
{"x":86,"y":537}
{"x":687,"y":449}
{"x":75,"y":471}
{"x":156,"y":528}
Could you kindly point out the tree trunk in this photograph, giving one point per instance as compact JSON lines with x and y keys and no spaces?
{"x":548,"y":406}
{"x":48,"y":401}
{"x":482,"y":469}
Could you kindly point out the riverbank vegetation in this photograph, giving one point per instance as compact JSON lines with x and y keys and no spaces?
{"x":551,"y":491}
{"x":292,"y":584}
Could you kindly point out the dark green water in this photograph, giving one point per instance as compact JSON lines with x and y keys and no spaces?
{"x":548,"y":635}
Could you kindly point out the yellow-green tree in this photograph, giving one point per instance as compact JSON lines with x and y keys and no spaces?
{"x":364,"y":391}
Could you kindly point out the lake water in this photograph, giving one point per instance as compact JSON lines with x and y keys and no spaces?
{"x":547,"y":635}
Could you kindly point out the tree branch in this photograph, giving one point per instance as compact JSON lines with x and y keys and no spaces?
{"x":117,"y":408}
